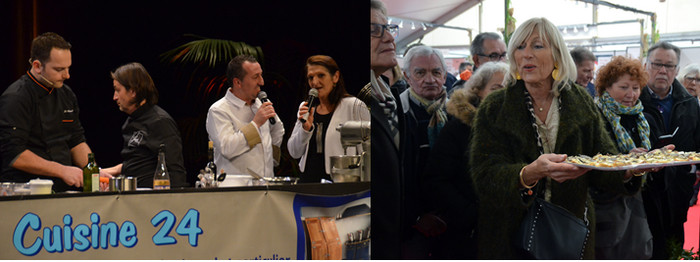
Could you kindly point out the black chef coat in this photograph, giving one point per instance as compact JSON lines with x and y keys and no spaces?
{"x":42,"y":120}
{"x":143,"y":132}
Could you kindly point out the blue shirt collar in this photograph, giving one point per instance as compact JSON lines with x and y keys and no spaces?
{"x":655,"y":96}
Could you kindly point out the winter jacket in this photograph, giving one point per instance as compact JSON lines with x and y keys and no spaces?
{"x":504,"y":142}
{"x":448,"y":182}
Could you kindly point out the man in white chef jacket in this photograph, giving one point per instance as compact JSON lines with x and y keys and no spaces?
{"x":241,"y":126}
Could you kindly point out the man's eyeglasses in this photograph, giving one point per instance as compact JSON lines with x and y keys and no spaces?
{"x":377,"y":30}
{"x":691,"y":79}
{"x":658,"y":66}
{"x":494,"y":56}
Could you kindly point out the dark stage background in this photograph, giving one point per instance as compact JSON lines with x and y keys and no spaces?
{"x":107,"y":34}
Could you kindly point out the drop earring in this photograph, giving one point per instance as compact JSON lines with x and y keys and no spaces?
{"x":555,"y":73}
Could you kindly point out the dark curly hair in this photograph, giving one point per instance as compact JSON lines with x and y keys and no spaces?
{"x":616,"y":68}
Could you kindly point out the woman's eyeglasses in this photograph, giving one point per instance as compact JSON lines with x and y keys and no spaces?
{"x":692,"y":79}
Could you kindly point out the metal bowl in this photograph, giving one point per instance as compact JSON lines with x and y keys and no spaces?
{"x":281,"y":180}
{"x":346,"y":168}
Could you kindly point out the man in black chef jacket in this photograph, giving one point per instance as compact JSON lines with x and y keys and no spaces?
{"x":147,"y":127}
{"x":40,"y":132}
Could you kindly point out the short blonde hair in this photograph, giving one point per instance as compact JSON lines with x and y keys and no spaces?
{"x":551,"y":36}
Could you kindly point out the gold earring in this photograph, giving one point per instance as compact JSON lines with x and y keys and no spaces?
{"x":555,"y":73}
{"x":517,"y":76}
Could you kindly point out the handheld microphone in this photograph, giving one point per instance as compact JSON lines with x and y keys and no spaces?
{"x":263,"y":98}
{"x":313,"y":94}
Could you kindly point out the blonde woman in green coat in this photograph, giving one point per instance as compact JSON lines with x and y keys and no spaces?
{"x":511,"y":156}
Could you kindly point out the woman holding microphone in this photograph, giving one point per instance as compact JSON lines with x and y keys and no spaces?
{"x":314,"y":138}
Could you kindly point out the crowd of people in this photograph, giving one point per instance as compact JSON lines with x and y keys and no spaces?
{"x":467,"y":160}
{"x":457,"y":160}
{"x":41,"y":135}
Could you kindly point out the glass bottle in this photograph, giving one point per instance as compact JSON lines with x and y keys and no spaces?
{"x":91,"y":175}
{"x":161,"y":178}
{"x":211,"y":166}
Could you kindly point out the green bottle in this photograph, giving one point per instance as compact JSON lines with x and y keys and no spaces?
{"x":91,"y":175}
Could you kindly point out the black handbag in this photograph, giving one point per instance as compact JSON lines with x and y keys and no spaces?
{"x":550,"y":232}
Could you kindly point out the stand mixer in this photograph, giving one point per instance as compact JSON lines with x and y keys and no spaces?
{"x":353,"y":133}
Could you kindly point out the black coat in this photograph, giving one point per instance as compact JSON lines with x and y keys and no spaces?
{"x":448,"y":184}
{"x":387,"y":183}
{"x":667,"y":193}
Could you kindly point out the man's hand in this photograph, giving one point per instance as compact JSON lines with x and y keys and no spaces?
{"x":265,"y":112}
{"x":73,"y":176}
{"x":105,"y":176}
{"x":430,"y":225}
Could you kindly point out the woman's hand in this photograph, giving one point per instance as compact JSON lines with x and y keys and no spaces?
{"x":640,"y":172}
{"x":550,"y":165}
{"x":308,"y":124}
{"x":638,"y":150}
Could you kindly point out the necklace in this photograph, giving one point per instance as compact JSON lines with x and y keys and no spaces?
{"x":539,"y":108}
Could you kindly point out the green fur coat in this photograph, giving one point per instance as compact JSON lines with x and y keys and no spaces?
{"x":504,"y":142}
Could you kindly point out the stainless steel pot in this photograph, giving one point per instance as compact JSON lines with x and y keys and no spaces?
{"x":116,"y":184}
{"x":129,"y":184}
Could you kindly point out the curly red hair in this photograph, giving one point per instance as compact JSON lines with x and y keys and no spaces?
{"x":616,"y":68}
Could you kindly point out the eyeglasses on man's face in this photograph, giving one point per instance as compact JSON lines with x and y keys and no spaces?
{"x":377,"y":30}
{"x":494,"y":56}
{"x":658,"y":66}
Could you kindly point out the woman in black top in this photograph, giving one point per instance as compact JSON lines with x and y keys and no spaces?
{"x":314,"y":138}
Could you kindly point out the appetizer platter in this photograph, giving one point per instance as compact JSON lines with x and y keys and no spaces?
{"x":651,"y":159}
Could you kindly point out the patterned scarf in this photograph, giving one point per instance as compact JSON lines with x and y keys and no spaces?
{"x":436,"y":108}
{"x":612,"y":111}
{"x":381,"y":92}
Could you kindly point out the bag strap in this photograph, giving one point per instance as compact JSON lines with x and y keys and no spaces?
{"x":540,"y":147}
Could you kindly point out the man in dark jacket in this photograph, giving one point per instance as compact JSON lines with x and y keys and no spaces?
{"x":147,"y":127}
{"x":387,"y":121}
{"x":673,"y":112}
{"x":40,"y":131}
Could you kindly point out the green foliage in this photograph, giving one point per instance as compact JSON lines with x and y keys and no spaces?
{"x":655,"y":37}
{"x":676,"y":251}
{"x":210,"y":52}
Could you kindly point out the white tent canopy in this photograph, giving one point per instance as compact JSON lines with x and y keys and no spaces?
{"x":618,"y":31}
